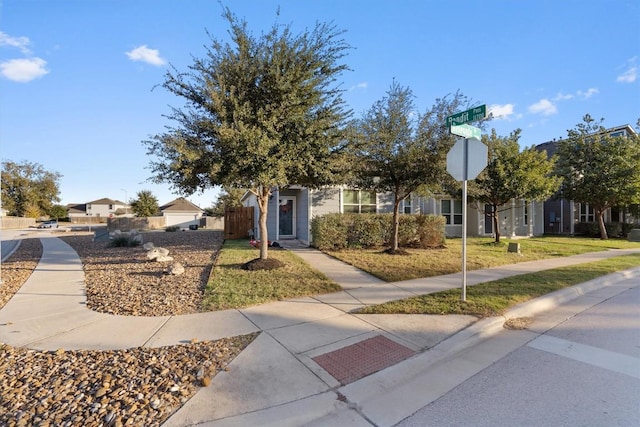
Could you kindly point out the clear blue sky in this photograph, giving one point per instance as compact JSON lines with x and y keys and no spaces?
{"x":76,"y":76}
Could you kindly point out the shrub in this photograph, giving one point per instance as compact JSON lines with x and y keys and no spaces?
{"x":172,"y":228}
{"x":339,"y":231}
{"x":329,"y":232}
{"x":124,"y":242}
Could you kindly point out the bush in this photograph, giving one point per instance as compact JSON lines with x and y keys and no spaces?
{"x":340,"y":231}
{"x":124,"y":242}
{"x":172,"y":228}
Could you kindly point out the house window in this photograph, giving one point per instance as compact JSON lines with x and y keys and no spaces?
{"x":452,"y":211}
{"x":406,"y":205}
{"x":358,"y":201}
{"x":586,"y":213}
{"x":110,"y":207}
{"x":526,"y":213}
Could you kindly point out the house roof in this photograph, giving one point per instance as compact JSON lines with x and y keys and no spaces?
{"x":104,"y":201}
{"x":76,"y":208}
{"x":180,"y":205}
{"x":551,"y":147}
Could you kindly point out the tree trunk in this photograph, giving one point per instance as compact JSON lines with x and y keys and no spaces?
{"x":603,"y":229}
{"x":496,"y":225}
{"x":396,"y":224}
{"x":263,"y":205}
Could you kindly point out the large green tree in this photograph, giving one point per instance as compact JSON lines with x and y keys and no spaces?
{"x":145,"y":204}
{"x":399,"y":151}
{"x":28,"y":189}
{"x":600,"y":170}
{"x":512,"y":174}
{"x":260,"y":112}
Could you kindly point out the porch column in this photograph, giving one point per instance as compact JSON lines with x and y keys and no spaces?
{"x":532,"y":218}
{"x":572,"y":217}
{"x":513,"y":217}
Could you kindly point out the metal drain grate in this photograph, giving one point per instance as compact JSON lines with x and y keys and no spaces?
{"x":356,"y":361}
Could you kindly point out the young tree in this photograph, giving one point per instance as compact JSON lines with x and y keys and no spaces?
{"x":600,"y":170}
{"x":261,"y":112}
{"x":145,"y":204}
{"x":389,"y":155}
{"x":229,"y":198}
{"x":58,"y":211}
{"x":28,"y":189}
{"x":512,"y":174}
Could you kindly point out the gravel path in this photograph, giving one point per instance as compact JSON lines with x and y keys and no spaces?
{"x":138,"y":386}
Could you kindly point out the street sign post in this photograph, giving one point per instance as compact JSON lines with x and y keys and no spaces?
{"x":471,"y":115}
{"x":466,"y":159}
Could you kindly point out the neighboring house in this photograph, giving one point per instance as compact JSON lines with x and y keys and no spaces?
{"x":4,"y":212}
{"x":291,"y":211}
{"x":181,"y":212}
{"x":101,"y":209}
{"x":561,"y":215}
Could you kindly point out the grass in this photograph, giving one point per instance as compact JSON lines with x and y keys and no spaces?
{"x":232,"y":287}
{"x":481,"y":253}
{"x":494,"y":298}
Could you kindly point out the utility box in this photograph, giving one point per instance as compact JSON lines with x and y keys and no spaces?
{"x":514,"y":248}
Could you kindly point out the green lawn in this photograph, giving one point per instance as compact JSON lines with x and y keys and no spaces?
{"x":232,"y":287}
{"x":494,"y":298}
{"x":481,"y":253}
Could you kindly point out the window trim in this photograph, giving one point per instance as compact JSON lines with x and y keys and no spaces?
{"x":359,"y":205}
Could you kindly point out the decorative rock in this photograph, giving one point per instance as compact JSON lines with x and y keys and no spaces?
{"x":156,"y":253}
{"x":148,"y":246}
{"x":175,"y":269}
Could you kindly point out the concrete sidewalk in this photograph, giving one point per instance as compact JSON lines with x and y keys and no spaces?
{"x":315,"y":362}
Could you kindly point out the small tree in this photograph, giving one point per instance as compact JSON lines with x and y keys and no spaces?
{"x":512,"y":174}
{"x":260,"y":113}
{"x":58,"y":211}
{"x":145,"y":204}
{"x":28,"y":189}
{"x":229,"y":198}
{"x":397,"y":150}
{"x":600,"y":170}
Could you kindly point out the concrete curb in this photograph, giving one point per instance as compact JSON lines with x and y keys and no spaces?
{"x":490,"y":326}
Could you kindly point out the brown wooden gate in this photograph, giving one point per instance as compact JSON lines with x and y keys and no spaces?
{"x":238,"y":222}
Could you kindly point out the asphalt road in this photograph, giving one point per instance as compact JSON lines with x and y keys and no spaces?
{"x":583,"y":372}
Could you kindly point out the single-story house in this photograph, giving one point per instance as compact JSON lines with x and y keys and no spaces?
{"x":181,"y":212}
{"x":291,"y":210}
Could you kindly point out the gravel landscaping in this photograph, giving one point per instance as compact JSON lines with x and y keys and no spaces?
{"x":138,"y":386}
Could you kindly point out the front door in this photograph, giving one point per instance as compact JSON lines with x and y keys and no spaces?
{"x":286,"y":217}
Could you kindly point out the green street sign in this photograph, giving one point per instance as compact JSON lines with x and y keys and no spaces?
{"x":466,"y":131}
{"x":472,"y":115}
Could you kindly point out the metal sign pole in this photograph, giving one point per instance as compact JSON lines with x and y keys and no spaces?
{"x":465,"y":160}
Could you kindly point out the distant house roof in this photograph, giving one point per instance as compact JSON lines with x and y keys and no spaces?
{"x":551,"y":147}
{"x":76,"y":208}
{"x":105,"y":201}
{"x":180,"y":205}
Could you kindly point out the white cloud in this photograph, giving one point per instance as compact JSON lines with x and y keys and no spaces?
{"x":362,"y":85}
{"x":544,"y":107}
{"x":24,"y":70}
{"x":144,"y":54}
{"x":629,"y":76}
{"x":589,"y":93}
{"x":21,"y":43}
{"x":502,"y":112}
{"x":562,"y":97}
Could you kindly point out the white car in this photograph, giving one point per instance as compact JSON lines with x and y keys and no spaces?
{"x":48,"y":224}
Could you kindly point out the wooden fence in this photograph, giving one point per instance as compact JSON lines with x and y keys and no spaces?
{"x":238,"y":222}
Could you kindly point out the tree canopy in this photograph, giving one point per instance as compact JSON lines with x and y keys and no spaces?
{"x":512,"y":174}
{"x":145,"y":204}
{"x":399,"y":151}
{"x":261,"y":112}
{"x":28,"y":189}
{"x":229,"y":198}
{"x":599,"y":170}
